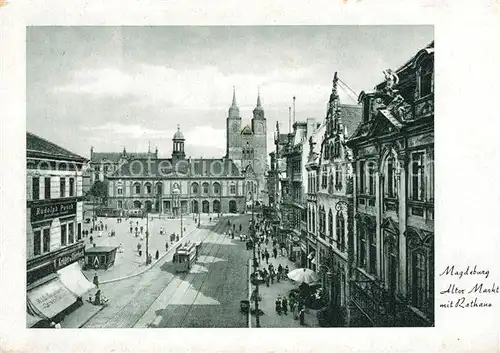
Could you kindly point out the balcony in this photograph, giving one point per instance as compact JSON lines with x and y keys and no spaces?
{"x":391,"y":204}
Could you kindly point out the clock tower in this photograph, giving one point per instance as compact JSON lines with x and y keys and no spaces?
{"x":259,"y":129}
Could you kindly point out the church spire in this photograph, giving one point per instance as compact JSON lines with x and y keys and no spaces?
{"x":259,"y":105}
{"x":234,"y":111}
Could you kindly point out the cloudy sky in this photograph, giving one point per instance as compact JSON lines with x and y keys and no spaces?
{"x":111,"y":87}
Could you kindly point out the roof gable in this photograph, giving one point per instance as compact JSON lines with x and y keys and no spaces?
{"x":40,"y":147}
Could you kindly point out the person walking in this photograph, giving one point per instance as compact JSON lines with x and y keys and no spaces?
{"x":142,"y":229}
{"x":266,"y":254}
{"x":272,"y":275}
{"x":96,"y":280}
{"x":91,"y":239}
{"x":277,"y":305}
{"x":157,"y":255}
{"x":292,"y":308}
{"x":285,"y":273}
{"x":166,"y":246}
{"x":275,"y":253}
{"x":284,"y":305}
{"x":302,"y":314}
{"x":280,"y":270}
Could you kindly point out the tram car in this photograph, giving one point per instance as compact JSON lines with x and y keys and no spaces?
{"x":185,"y":256}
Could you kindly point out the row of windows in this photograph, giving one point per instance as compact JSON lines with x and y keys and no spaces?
{"x":419,"y":266}
{"x":332,"y":180}
{"x":339,"y":222}
{"x":64,"y":191}
{"x":195,"y":188}
{"x":41,"y":237}
{"x":421,"y":175}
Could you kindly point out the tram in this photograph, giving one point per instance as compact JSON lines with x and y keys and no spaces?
{"x":185,"y":256}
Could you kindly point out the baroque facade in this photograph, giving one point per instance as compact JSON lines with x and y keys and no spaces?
{"x":247,"y":147}
{"x":178,"y":184}
{"x":393,"y":280}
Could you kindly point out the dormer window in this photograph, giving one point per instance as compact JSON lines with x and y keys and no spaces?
{"x":425,"y":79}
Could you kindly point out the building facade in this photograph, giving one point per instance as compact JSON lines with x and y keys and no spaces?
{"x":330,"y":202}
{"x":177,"y":185}
{"x":55,"y":248}
{"x":246,"y":146}
{"x":393,"y":148}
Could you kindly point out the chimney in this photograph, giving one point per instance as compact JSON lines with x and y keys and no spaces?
{"x":289,"y":119}
{"x":294,"y":109}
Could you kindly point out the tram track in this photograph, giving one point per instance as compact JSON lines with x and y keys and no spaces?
{"x":125,"y":318}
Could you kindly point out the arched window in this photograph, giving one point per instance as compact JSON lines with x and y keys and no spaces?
{"x":216,"y":188}
{"x":137,"y":188}
{"x":340,"y":230}
{"x":205,"y":188}
{"x":390,"y":172}
{"x":232,"y":188}
{"x":322,"y":223}
{"x":362,"y":245}
{"x":330,"y":182}
{"x":147,"y":188}
{"x":194,"y":188}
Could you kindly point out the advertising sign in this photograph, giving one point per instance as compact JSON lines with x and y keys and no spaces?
{"x":49,"y":211}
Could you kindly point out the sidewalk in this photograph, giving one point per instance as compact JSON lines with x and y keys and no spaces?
{"x":269,"y":294}
{"x":81,"y":316}
{"x":128,"y":263}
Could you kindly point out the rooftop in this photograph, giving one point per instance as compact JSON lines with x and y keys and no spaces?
{"x":37,"y":146}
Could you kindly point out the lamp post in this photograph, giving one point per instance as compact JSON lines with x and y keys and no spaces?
{"x":147,"y":236}
{"x":255,"y":264}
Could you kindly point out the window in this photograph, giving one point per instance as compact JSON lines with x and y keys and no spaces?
{"x":324,"y":179}
{"x":419,"y":280}
{"x":119,"y":191}
{"x":35,"y":188}
{"x":71,"y":187}
{"x":314,"y":222}
{"x":148,"y":188}
{"x":137,"y":188}
{"x":361,"y":183}
{"x":62,"y":187}
{"x":47,"y":188}
{"x":119,"y":204}
{"x":232,"y":189}
{"x":46,"y":240}
{"x":373,"y":252}
{"x":338,"y":178}
{"x":362,"y":246}
{"x":336,"y":148}
{"x":426,"y":80}
{"x":205,"y":188}
{"x":105,"y":169}
{"x":371,"y":179}
{"x":330,"y":183}
{"x":194,"y":188}
{"x":417,"y":176}
{"x":330,"y":225}
{"x":391,"y":177}
{"x":79,"y":231}
{"x":159,"y":188}
{"x":64,"y":234}
{"x":216,"y":188}
{"x":71,"y":233}
{"x":340,"y":231}
{"x":37,"y":242}
{"x":322,"y":223}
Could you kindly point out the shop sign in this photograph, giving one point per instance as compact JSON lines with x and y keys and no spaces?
{"x":43,"y":212}
{"x":296,"y":248}
{"x":68,"y":258}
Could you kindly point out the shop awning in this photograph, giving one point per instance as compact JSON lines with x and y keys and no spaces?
{"x":72,"y":277}
{"x":51,"y":298}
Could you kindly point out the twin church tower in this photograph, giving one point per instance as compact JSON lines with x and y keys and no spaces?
{"x":247,"y":146}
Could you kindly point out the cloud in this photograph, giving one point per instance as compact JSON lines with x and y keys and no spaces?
{"x":206,"y":136}
{"x":134,"y":131}
{"x":202,"y":88}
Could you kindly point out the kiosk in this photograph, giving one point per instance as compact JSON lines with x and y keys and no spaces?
{"x":100,"y":257}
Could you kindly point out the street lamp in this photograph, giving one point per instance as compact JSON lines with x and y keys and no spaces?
{"x":255,"y":264}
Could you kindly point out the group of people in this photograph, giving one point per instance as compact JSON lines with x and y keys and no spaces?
{"x":297,"y":308}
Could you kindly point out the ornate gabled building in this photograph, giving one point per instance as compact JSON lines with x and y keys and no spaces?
{"x":177,"y":185}
{"x":247,"y":147}
{"x":393,"y":280}
{"x":330,"y":202}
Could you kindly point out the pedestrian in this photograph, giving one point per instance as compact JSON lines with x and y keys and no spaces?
{"x":277,"y":304}
{"x":120,"y":248}
{"x":275,"y":253}
{"x":302,"y":314}
{"x":240,"y":227}
{"x":262,"y":255}
{"x":96,"y":280}
{"x":274,"y":243}
{"x":106,"y":226}
{"x":157,"y":255}
{"x":285,"y":274}
{"x":267,"y":256}
{"x":142,"y":228}
{"x":272,"y":275}
{"x":166,"y":246}
{"x":91,"y":239}
{"x":131,"y":229}
{"x":267,"y":241}
{"x":292,"y":307}
{"x":284,"y":305}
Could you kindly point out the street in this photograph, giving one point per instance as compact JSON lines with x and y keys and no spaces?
{"x":208,"y":296}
